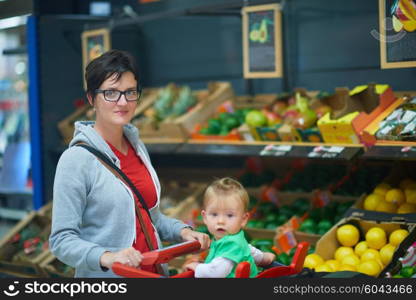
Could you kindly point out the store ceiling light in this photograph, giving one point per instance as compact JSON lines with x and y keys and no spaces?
{"x":13,"y":22}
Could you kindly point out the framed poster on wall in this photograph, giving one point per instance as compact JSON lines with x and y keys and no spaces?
{"x":397,"y":33}
{"x":262,"y":41}
{"x":94,"y":43}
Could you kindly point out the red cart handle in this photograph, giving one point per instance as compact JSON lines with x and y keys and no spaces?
{"x":161,"y":256}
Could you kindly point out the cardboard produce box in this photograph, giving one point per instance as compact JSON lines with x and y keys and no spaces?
{"x":363,"y":221}
{"x":25,"y":246}
{"x":353,"y":111}
{"x":179,"y":128}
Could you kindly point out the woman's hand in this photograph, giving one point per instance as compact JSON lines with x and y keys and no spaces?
{"x":128,"y":256}
{"x":188,"y":234}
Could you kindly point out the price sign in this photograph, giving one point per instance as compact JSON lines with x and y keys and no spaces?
{"x":273,"y":150}
{"x":326,"y":152}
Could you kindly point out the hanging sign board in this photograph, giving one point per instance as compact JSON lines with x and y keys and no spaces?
{"x":94,"y":43}
{"x":262,"y":41}
{"x":397,"y":33}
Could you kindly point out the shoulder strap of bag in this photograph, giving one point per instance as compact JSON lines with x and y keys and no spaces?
{"x":119,"y":174}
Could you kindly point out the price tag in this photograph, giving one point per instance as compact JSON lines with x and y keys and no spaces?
{"x":273,"y":150}
{"x":325,"y":152}
{"x":335,"y":149}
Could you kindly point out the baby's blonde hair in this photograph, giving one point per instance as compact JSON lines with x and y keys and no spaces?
{"x":224,"y":187}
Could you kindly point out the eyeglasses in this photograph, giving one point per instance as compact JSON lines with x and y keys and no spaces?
{"x":115,"y":95}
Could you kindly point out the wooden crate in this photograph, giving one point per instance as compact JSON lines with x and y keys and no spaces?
{"x":66,"y":126}
{"x":187,"y":199}
{"x":54,"y":268}
{"x":179,"y":129}
{"x":13,"y":258}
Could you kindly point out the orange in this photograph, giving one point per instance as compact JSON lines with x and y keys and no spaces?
{"x":385,"y":206}
{"x":375,"y":238}
{"x":386,"y":253}
{"x":397,"y":236}
{"x":342,"y":251}
{"x":369,"y":267}
{"x":360,"y":248}
{"x":395,"y":196}
{"x":312,"y":261}
{"x":406,"y":208}
{"x":371,"y":201}
{"x":348,"y":235}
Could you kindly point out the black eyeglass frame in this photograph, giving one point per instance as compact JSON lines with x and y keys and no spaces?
{"x":139,"y":92}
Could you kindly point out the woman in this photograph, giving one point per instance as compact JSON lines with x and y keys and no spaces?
{"x":94,"y":223}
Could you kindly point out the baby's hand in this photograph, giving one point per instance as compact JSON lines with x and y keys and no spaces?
{"x":191,"y":266}
{"x":268,"y":258}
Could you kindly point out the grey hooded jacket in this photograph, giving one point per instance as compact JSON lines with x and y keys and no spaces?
{"x":93,"y":211}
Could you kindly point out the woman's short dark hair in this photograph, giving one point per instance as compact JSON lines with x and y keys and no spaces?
{"x":110,"y":63}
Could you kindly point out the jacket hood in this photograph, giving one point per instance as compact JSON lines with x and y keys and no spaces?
{"x":85,"y":132}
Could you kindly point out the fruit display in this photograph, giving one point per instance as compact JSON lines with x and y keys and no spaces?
{"x":400,"y":199}
{"x":172,"y":101}
{"x":321,"y":219}
{"x":400,"y":125}
{"x":291,"y":118}
{"x":357,"y":246}
{"x":225,"y":122}
{"x":267,"y":215}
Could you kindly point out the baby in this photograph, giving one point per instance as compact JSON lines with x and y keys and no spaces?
{"x":225,"y":213}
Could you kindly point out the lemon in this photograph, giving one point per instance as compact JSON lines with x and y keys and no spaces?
{"x":386,"y":253}
{"x":375,"y":238}
{"x":406,"y":182}
{"x":347,"y":268}
{"x":333,"y":264}
{"x":348,"y":235}
{"x":397,"y":236}
{"x":371,"y":201}
{"x":395,"y":196}
{"x":371,"y":254}
{"x":323,"y":268}
{"x":352,"y":260}
{"x":410,"y":196}
{"x":342,"y":251}
{"x":382,"y":189}
{"x":360,"y":248}
{"x":385,"y":206}
{"x":406,"y":208}
{"x":369,"y":267}
{"x":312,"y":261}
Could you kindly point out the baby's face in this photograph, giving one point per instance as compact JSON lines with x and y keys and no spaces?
{"x":224,"y":216}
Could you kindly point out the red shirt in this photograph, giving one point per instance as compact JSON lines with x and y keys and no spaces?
{"x":132,"y":165}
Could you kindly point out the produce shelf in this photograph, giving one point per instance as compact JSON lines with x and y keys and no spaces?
{"x":392,"y":151}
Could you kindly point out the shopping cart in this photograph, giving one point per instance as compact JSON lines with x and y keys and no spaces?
{"x":242,"y":271}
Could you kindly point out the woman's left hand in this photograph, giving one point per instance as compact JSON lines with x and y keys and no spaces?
{"x":188,"y":234}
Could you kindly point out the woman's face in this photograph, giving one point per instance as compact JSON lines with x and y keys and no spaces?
{"x":117,"y":113}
